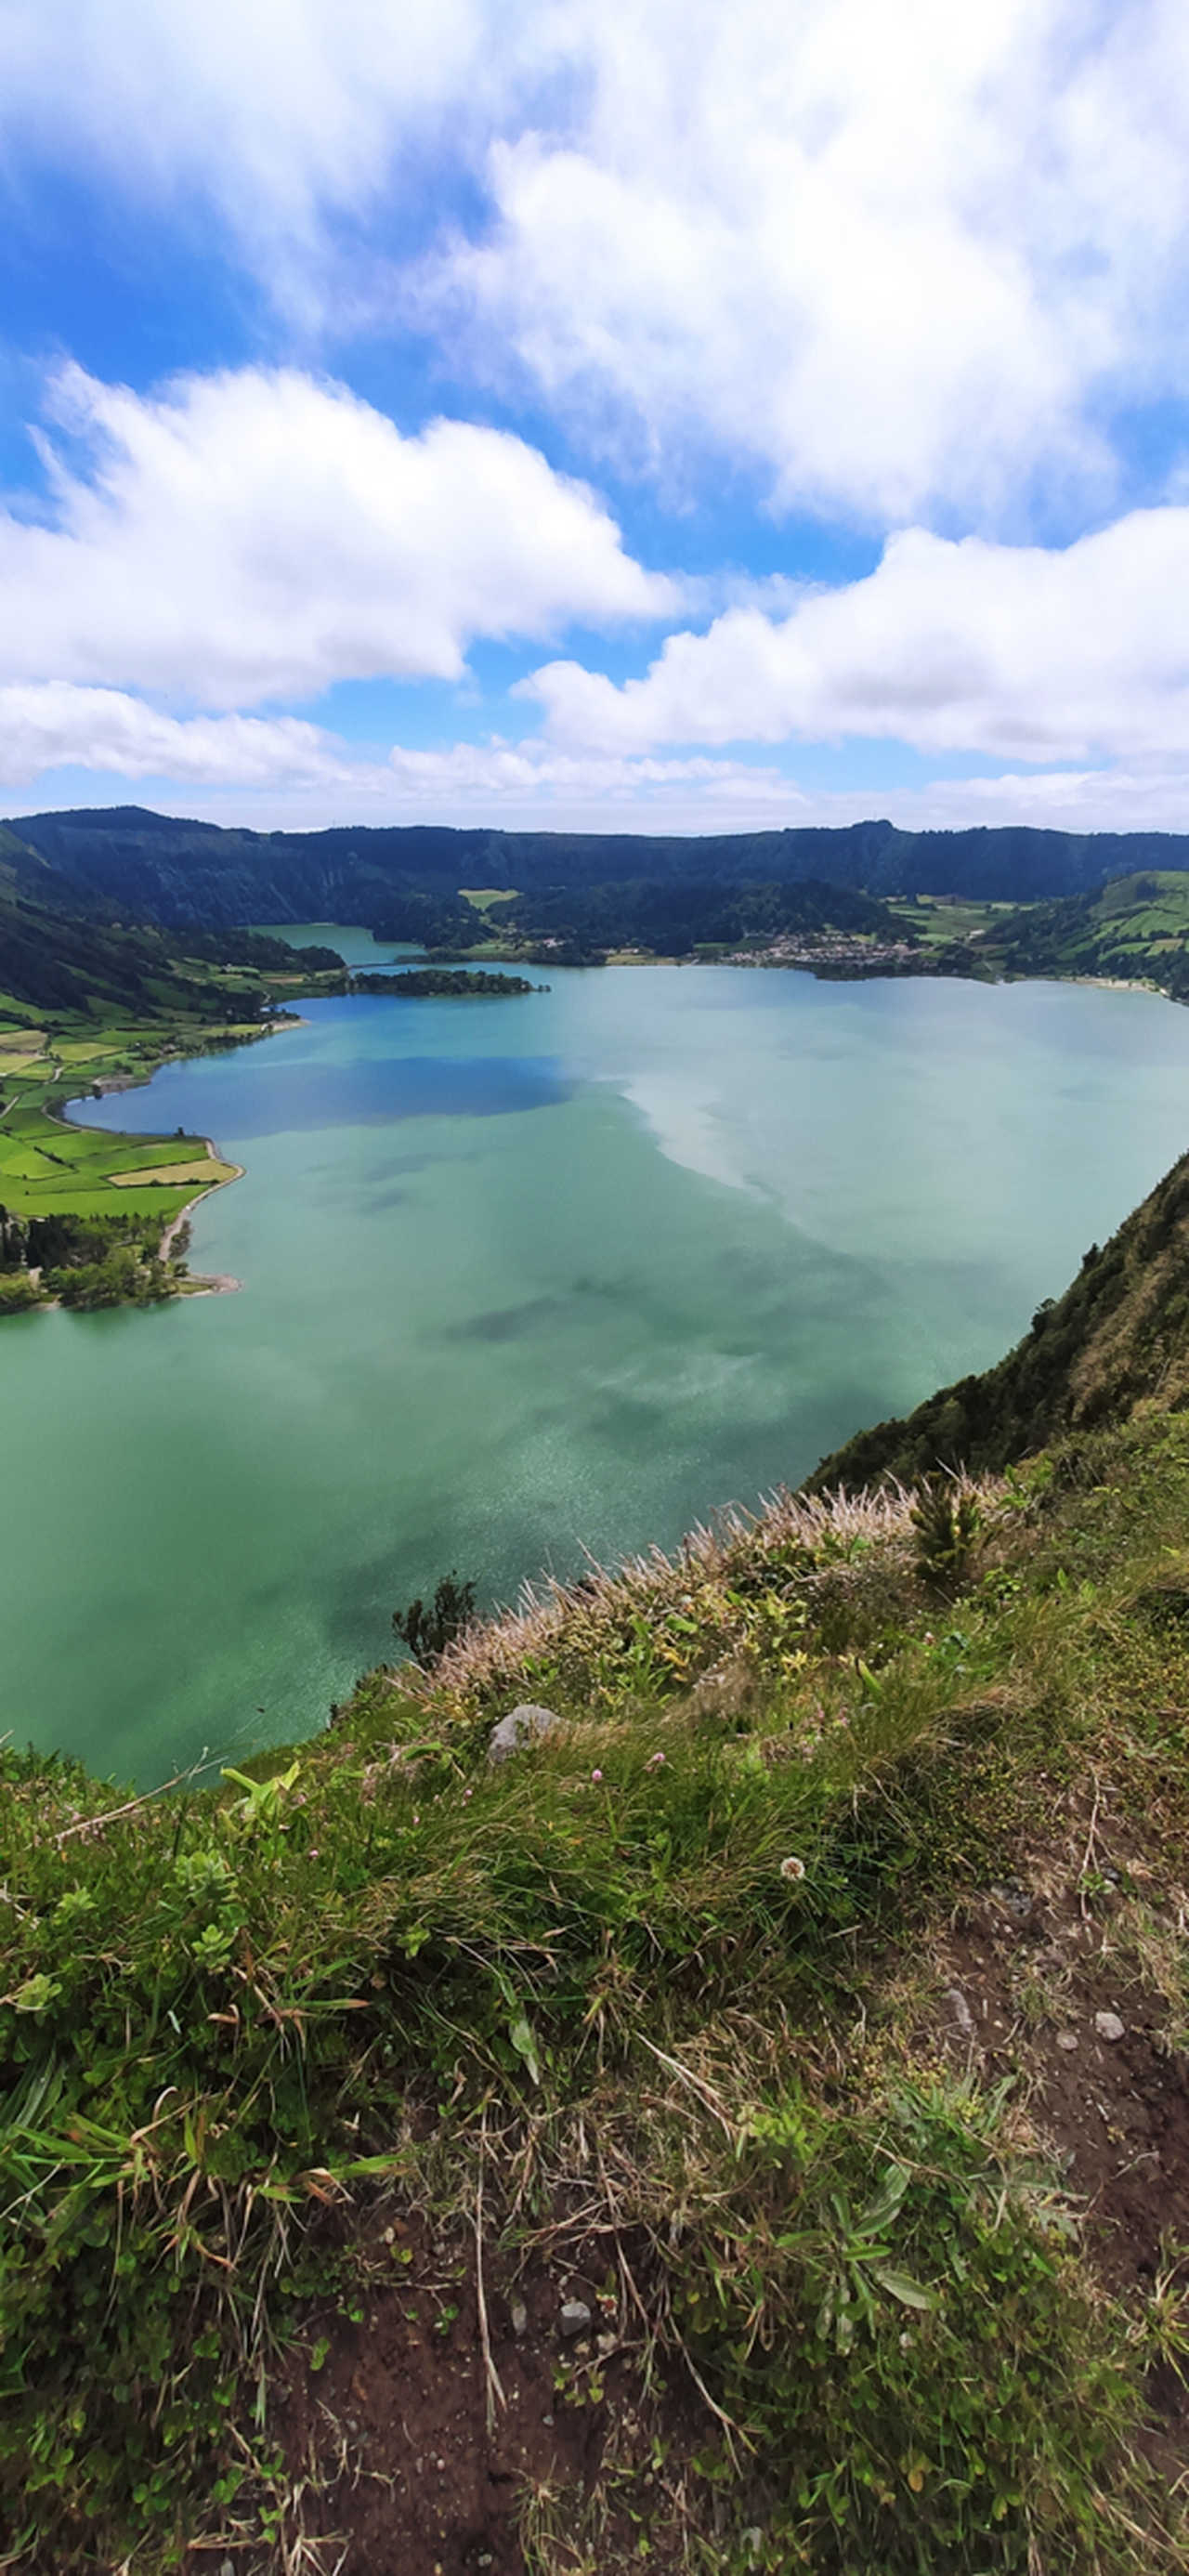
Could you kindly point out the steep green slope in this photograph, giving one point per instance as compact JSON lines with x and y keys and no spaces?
{"x":173,"y":871}
{"x":1118,"y":1336}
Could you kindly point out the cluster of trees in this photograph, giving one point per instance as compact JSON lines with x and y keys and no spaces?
{"x":83,"y":1261}
{"x":430,"y":920}
{"x":260,"y":951}
{"x":443,"y":982}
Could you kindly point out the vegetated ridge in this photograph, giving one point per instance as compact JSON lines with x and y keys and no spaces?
{"x":745,"y":2128}
{"x":158,"y":868}
{"x":1119,"y":1334}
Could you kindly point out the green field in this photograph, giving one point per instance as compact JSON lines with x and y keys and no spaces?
{"x":940,"y":918}
{"x":48,"y":1165}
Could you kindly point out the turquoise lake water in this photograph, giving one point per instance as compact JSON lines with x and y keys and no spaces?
{"x":524,"y":1278}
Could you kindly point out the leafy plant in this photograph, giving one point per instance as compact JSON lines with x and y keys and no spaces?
{"x":428,"y":1631}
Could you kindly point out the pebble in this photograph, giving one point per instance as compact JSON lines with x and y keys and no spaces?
{"x":1068,"y":2040}
{"x":519,"y":2314}
{"x":227,"y":2568}
{"x":1109,"y":2026}
{"x":960,"y":2010}
{"x":575,"y":2317}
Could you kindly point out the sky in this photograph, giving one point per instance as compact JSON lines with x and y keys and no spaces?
{"x":682,"y":418}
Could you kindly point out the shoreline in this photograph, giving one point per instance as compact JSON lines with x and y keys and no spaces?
{"x":216,"y":1283}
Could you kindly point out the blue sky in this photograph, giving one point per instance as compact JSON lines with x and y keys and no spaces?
{"x":678,"y":419}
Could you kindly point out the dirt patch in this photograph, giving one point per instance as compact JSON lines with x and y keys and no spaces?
{"x":420,"y":2460}
{"x":1114,"y":2108}
{"x":1049,"y":1981}
{"x":173,"y":1173}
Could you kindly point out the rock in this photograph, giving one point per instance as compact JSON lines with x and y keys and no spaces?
{"x":1015,"y":1900}
{"x":227,"y":2568}
{"x":521,"y":1726}
{"x":1109,"y":2026}
{"x":960,"y":2012}
{"x":1068,"y":2040}
{"x":575,"y":2317}
{"x":519,"y":2315}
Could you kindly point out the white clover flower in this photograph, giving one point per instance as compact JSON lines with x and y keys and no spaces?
{"x":792,"y":1867}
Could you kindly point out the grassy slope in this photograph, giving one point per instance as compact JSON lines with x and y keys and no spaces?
{"x":1120,"y":1333}
{"x":667,"y":2004}
{"x":1135,"y":928}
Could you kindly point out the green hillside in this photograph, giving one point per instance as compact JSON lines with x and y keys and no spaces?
{"x":743,"y":2129}
{"x":1118,"y":1336}
{"x":172,"y":871}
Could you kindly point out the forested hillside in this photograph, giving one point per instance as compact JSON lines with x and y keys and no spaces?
{"x":159,"y":868}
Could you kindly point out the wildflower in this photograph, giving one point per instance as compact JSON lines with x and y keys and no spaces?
{"x":596,"y":1775}
{"x":792,"y":1867}
{"x":654,"y":1761}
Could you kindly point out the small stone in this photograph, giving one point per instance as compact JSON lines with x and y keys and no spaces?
{"x":523,"y":1725}
{"x":519,"y":2315}
{"x":606,"y":2343}
{"x":1015,"y":1900}
{"x":960,"y":2011}
{"x":1108,"y":2026}
{"x":227,"y":2568}
{"x":575,"y":2317}
{"x":1068,"y":2040}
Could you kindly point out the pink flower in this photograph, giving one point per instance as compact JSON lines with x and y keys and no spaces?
{"x":596,"y":1775}
{"x":654,"y":1761}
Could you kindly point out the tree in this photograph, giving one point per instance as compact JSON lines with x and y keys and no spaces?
{"x":428,"y":1632}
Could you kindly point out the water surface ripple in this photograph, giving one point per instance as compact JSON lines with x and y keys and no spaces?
{"x":527,"y":1277}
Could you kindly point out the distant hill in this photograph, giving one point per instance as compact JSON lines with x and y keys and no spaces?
{"x":127,"y":860}
{"x":53,"y":962}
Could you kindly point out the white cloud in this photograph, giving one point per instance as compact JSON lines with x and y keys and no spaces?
{"x":893,"y":258}
{"x":1016,"y":652}
{"x":899,"y":258}
{"x":275,"y":772}
{"x":53,"y":725}
{"x":259,"y":535}
{"x":274,"y":114}
{"x":489,"y":776}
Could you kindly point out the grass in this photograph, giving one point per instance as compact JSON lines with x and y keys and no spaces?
{"x":677,"y":1963}
{"x":48,"y":1164}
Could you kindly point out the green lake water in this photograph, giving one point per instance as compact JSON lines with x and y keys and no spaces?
{"x":524,"y":1278}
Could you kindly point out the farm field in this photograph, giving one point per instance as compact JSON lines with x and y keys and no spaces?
{"x":49,"y":1165}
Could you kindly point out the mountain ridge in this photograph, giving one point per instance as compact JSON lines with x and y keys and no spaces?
{"x":176,"y":871}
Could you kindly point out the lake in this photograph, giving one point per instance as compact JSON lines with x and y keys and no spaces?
{"x":525,"y":1278}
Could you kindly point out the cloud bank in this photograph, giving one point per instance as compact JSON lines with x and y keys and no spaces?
{"x":261,"y":535}
{"x":1016,"y":652}
{"x":892,"y":260}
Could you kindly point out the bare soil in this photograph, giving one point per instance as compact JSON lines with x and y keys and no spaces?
{"x":419,"y":2457}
